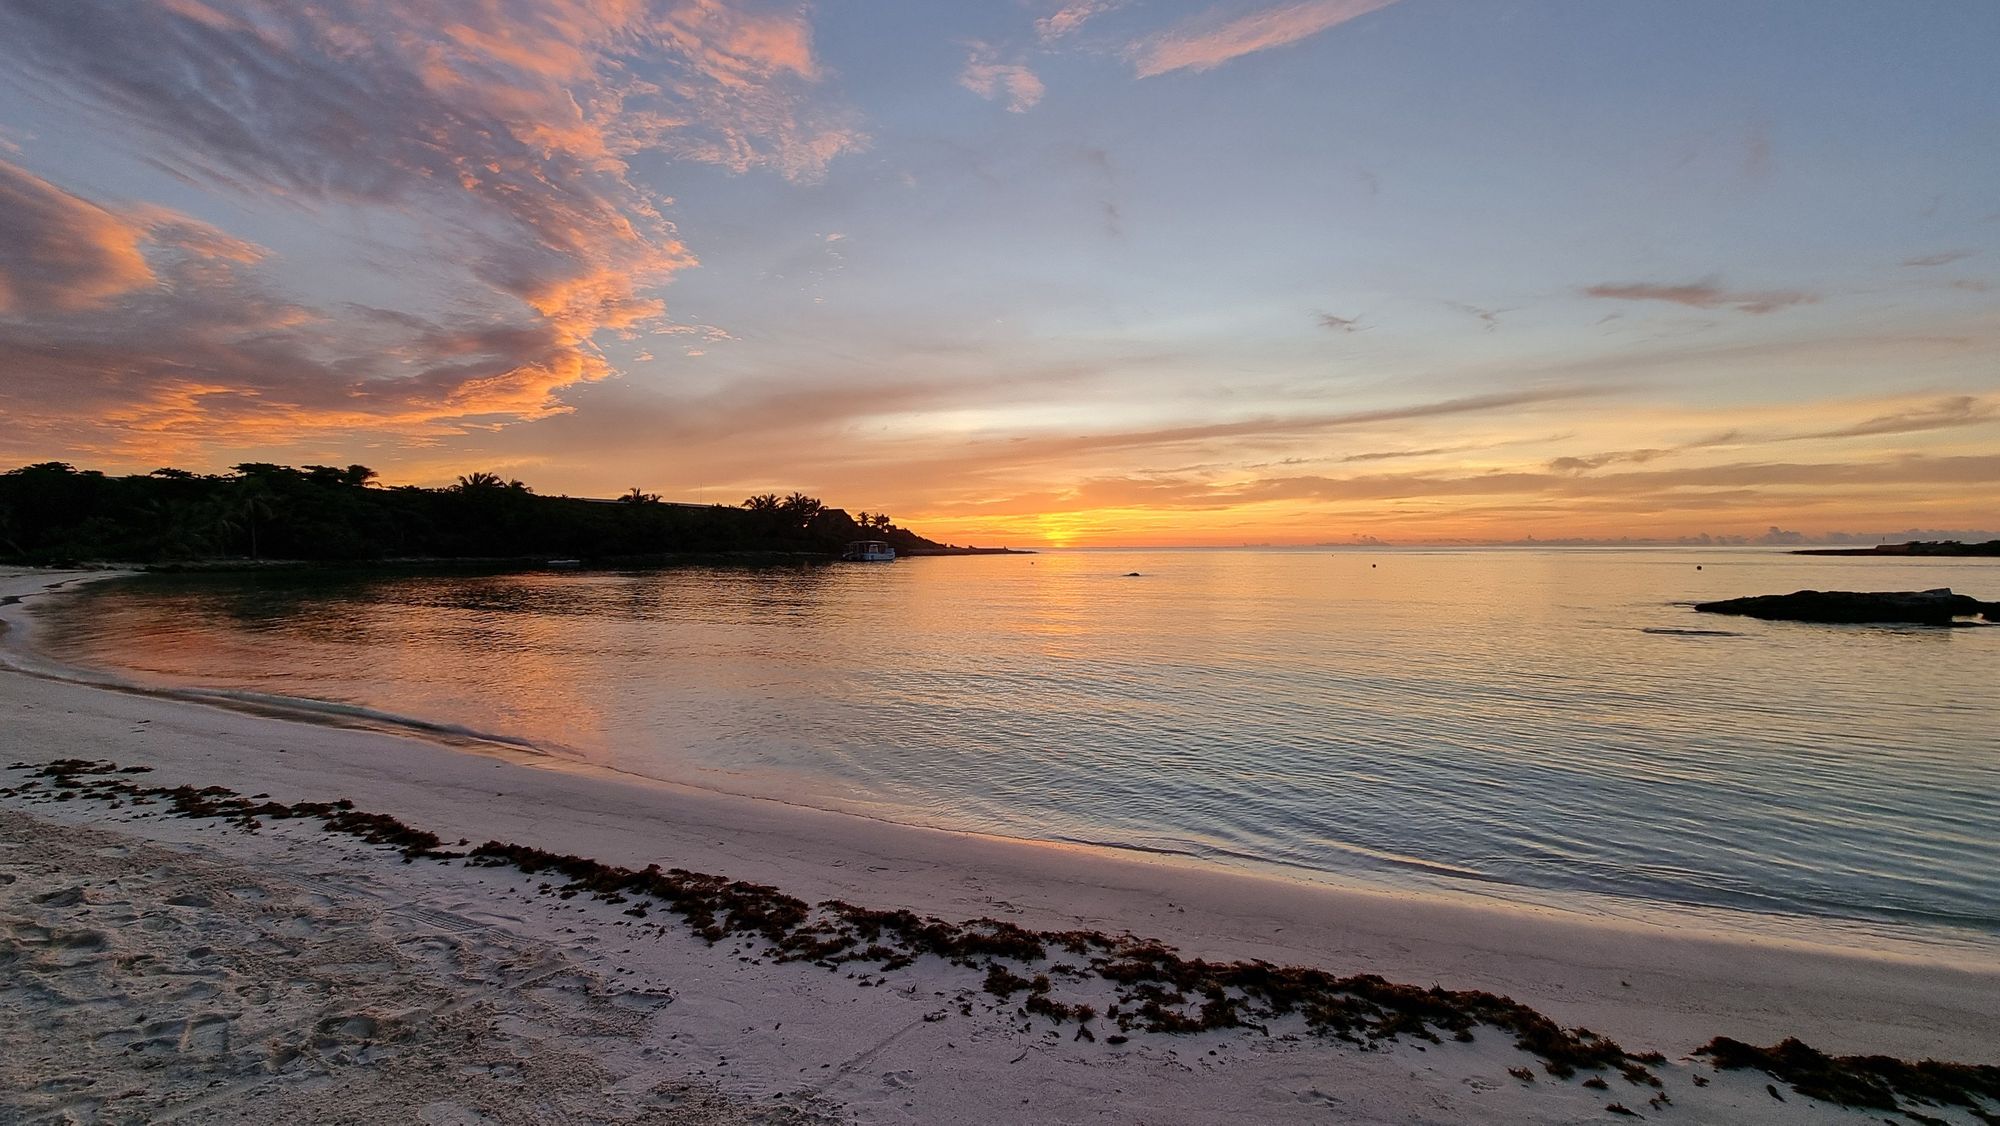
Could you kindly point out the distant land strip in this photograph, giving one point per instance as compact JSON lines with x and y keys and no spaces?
{"x":54,"y":514}
{"x":1914,"y":547}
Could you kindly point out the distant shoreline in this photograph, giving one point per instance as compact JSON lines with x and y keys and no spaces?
{"x":1916,"y":548}
{"x":510,"y":564}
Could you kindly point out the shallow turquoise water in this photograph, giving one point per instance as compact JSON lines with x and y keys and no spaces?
{"x":1485,"y":719}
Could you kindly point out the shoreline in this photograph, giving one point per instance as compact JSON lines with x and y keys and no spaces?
{"x":1927,"y":942}
{"x":1647,"y":985}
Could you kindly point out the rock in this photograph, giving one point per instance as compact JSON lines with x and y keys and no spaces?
{"x":1927,"y":607}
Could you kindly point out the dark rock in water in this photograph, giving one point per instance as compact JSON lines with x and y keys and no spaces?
{"x":1926,"y":607}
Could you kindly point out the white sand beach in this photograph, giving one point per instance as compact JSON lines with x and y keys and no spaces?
{"x":155,"y":968}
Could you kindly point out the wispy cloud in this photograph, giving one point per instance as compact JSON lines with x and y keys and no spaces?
{"x":988,"y":77}
{"x":1943,"y":258}
{"x":1209,"y":40}
{"x":1071,"y":16}
{"x":1705,"y":294}
{"x":1339,"y":324}
{"x":1489,"y":319}
{"x":1944,"y":414}
{"x":1690,"y":488}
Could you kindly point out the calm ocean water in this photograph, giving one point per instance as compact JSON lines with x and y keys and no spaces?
{"x":1507,"y":721}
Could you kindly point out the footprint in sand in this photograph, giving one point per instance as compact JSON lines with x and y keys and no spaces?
{"x":1313,"y":1096}
{"x":62,"y":897}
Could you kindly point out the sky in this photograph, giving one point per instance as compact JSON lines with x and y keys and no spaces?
{"x":1029,"y":272}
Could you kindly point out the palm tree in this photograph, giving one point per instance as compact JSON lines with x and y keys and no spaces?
{"x":762,"y":502}
{"x":248,"y":502}
{"x":355,"y":476}
{"x":473,"y":482}
{"x":639,"y":496}
{"x":802,"y":509}
{"x":881,"y":522}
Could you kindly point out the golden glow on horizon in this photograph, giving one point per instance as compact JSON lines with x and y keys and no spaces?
{"x":1028,"y":320}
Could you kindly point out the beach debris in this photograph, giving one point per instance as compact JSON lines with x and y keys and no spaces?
{"x":1157,"y":990}
{"x":1875,"y":1082}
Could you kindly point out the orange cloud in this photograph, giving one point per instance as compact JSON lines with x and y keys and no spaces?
{"x":499,"y":128}
{"x":1206,"y":42}
{"x":59,"y":252}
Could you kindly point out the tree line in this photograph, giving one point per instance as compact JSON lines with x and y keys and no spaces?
{"x":54,"y":513}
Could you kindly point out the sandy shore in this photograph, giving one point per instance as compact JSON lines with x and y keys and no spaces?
{"x":334,"y":975}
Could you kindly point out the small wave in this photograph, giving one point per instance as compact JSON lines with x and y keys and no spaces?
{"x":1675,"y":632}
{"x":345,"y":715}
{"x":1131,"y":846}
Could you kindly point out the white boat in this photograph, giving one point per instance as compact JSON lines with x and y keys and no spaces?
{"x":868,"y":551}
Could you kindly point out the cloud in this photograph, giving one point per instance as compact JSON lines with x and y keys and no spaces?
{"x":1588,"y":462}
{"x":1397,"y":455}
{"x":210,"y":353}
{"x":1706,"y":294}
{"x":1071,"y":16}
{"x":1944,"y":414}
{"x":496,"y":130}
{"x":1943,"y":258}
{"x":1339,"y":324}
{"x":1209,"y":40}
{"x":1023,"y":451}
{"x":1489,"y":318}
{"x":1656,"y":484}
{"x":1598,"y":461}
{"x":989,"y":78}
{"x":60,"y":253}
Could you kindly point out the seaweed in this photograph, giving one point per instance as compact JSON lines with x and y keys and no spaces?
{"x":1874,"y":1082}
{"x":1157,"y":990}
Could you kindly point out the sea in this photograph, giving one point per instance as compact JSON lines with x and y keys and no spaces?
{"x":1540,"y":726}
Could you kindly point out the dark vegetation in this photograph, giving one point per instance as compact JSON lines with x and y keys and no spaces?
{"x":1914,"y":547}
{"x":1156,"y":989}
{"x":53,"y":513}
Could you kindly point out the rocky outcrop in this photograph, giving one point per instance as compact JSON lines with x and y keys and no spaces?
{"x":1926,"y":607}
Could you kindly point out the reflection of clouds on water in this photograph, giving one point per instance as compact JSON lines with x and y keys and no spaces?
{"x":1505,"y":718}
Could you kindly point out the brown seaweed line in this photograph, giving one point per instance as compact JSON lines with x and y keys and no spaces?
{"x":1158,"y":990}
